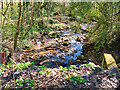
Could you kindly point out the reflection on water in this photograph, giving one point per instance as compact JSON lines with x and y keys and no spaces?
{"x":76,"y":48}
{"x":83,"y":25}
{"x":74,"y":51}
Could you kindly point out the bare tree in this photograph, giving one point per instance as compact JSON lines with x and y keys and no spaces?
{"x":25,"y":12}
{"x":18,"y":26}
{"x":32,"y":11}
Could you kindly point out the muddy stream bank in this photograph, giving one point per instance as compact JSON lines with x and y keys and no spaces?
{"x":56,"y":50}
{"x":62,"y":47}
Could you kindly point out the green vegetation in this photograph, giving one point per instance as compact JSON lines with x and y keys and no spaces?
{"x":20,"y":65}
{"x":42,"y":67}
{"x":75,"y":79}
{"x":72,"y":67}
{"x":92,"y":65}
{"x":20,"y":82}
{"x":27,"y":20}
{"x":34,"y":32}
{"x":62,"y":69}
{"x":43,"y":70}
{"x":54,"y":35}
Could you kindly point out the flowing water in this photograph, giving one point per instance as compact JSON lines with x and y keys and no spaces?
{"x":76,"y":48}
{"x":73,"y":51}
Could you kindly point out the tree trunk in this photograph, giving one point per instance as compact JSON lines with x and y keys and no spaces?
{"x":5,"y":14}
{"x":63,"y":8}
{"x":18,"y":27}
{"x":39,"y":11}
{"x":32,"y":12}
{"x":25,"y":12}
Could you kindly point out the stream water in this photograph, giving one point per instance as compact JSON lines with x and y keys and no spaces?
{"x":73,"y":51}
{"x":76,"y":48}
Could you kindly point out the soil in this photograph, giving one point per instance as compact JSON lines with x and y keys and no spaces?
{"x":94,"y":78}
{"x":52,"y":77}
{"x":97,"y":56}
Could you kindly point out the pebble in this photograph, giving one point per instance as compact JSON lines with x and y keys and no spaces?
{"x":114,"y":79}
{"x":100,"y":78}
{"x":53,"y":73}
{"x":17,"y":73}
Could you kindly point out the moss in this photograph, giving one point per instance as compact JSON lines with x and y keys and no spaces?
{"x":65,"y":43}
{"x":80,"y":57}
{"x":78,"y":39}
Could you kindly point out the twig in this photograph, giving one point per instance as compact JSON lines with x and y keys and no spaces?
{"x":16,"y":64}
{"x":7,"y":19}
{"x":49,"y":80}
{"x":6,"y":9}
{"x":5,"y":13}
{"x":13,"y":76}
{"x":9,"y":49}
{"x":3,"y":86}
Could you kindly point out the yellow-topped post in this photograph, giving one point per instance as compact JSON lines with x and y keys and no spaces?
{"x":110,"y":62}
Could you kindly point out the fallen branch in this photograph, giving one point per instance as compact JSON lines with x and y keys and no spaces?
{"x":16,"y":64}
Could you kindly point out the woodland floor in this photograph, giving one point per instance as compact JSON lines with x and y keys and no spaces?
{"x":37,"y":75}
{"x":56,"y":78}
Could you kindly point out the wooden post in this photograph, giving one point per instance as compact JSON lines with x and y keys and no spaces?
{"x":110,"y":61}
{"x":111,"y":64}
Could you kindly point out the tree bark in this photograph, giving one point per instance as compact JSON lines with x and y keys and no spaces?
{"x":5,"y":14}
{"x":63,"y":8}
{"x":18,"y":27}
{"x":39,"y":11}
{"x":32,"y":12}
{"x":25,"y":12}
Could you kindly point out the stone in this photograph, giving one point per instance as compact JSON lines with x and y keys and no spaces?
{"x":42,"y":41}
{"x":78,"y":39}
{"x":81,"y":40}
{"x":17,"y":73}
{"x":66,"y":50}
{"x":72,"y":53}
{"x":80,"y":57}
{"x":77,"y":60}
{"x":49,"y":48}
{"x":57,"y":39}
{"x":75,"y":51}
{"x":62,"y":57}
{"x":70,"y":59}
{"x":66,"y":40}
{"x":83,"y":37}
{"x":65,"y":43}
